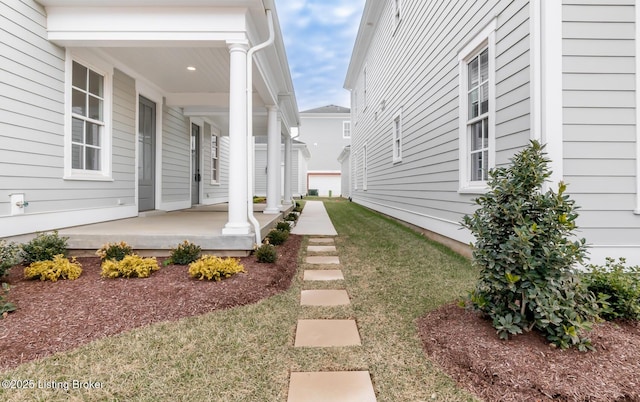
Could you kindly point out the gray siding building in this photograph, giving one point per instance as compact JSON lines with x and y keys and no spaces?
{"x":326,"y":131}
{"x":444,"y":91}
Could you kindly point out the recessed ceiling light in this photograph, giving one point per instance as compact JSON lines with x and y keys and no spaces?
{"x":191,"y":68}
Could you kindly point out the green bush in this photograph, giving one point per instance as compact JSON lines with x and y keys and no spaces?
{"x":51,"y":270}
{"x":130,"y":266}
{"x":10,"y":255}
{"x":291,"y":217}
{"x":266,"y":253}
{"x":185,"y":253}
{"x":210,"y":267}
{"x":618,"y":286}
{"x":114,"y":251}
{"x":277,"y":237}
{"x":5,"y":306}
{"x":44,"y":247}
{"x":525,"y":254}
{"x":283,"y":226}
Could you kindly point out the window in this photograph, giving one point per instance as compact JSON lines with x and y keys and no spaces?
{"x":87,"y":116}
{"x":355,"y":171}
{"x":346,"y":129}
{"x":354,"y":102}
{"x":477,"y":111}
{"x":397,"y":137}
{"x":215,"y":162}
{"x":87,"y":122}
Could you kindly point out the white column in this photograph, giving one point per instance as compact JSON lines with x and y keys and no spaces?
{"x":238,"y":178}
{"x":273,"y":161}
{"x":287,"y":170}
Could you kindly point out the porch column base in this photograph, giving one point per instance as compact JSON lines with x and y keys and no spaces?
{"x":236,"y":229}
{"x":271,"y":211}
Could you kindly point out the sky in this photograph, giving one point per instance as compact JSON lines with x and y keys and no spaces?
{"x":318,"y":37}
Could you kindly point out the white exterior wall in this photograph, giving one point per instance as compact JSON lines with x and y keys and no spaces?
{"x":600,"y":123}
{"x":322,"y":132}
{"x":298,"y":170}
{"x":215,"y":193}
{"x":176,"y":159}
{"x":414,"y":68}
{"x":32,"y":95}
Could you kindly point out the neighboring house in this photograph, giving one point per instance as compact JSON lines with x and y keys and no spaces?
{"x":299,"y":160}
{"x":444,"y":91}
{"x":109,"y":109}
{"x":326,"y":131}
{"x":345,"y":171}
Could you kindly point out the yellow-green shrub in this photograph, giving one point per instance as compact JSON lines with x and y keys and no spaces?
{"x":52,"y":270}
{"x":215,"y":268}
{"x":130,"y":266}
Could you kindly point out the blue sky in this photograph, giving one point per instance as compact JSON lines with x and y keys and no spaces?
{"x":319,"y":37}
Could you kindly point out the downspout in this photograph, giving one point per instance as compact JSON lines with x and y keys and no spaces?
{"x":250,"y":151}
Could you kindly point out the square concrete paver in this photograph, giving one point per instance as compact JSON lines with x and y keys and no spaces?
{"x":324,"y":297}
{"x":321,"y":240}
{"x":323,"y":259}
{"x":327,"y":333}
{"x":323,"y":275}
{"x":321,"y":249}
{"x":331,"y":386}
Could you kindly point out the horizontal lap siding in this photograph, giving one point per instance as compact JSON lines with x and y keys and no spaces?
{"x":416,"y":69}
{"x":32,"y":121}
{"x":218,"y":192}
{"x":176,"y":156}
{"x":599,"y":117}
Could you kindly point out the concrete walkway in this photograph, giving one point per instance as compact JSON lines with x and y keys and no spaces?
{"x":325,"y":386}
{"x":314,"y":221}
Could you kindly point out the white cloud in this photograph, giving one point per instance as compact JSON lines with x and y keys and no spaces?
{"x":319,"y":36}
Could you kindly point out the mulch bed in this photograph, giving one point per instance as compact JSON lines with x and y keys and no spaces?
{"x":526,"y":368}
{"x":55,"y":317}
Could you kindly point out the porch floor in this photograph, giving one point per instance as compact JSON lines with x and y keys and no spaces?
{"x":156,"y":232}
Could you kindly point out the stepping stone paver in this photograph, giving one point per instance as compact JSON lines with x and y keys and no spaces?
{"x":320,"y":240}
{"x":323,"y":275}
{"x":322,"y":259}
{"x":327,"y":333}
{"x":321,"y":249}
{"x":324,"y":297}
{"x":331,"y":386}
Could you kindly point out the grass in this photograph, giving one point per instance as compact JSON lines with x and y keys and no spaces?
{"x":393,"y":276}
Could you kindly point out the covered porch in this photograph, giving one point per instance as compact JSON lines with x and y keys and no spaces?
{"x":154,"y":234}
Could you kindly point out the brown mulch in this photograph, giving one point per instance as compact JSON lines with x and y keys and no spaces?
{"x":58,"y":316}
{"x":526,"y":368}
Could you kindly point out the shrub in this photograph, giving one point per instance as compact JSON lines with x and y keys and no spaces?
{"x":130,"y":266}
{"x":114,"y":251}
{"x":44,"y":247}
{"x":10,"y":255}
{"x":185,"y":253}
{"x":291,"y":217}
{"x":214,"y":268}
{"x":618,"y":286}
{"x":267,"y":253}
{"x":5,"y":306}
{"x":283,"y":226}
{"x":525,"y":254}
{"x":58,"y":268}
{"x":298,"y":207}
{"x":277,"y":237}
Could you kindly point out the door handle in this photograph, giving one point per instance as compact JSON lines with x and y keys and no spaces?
{"x":198,"y":177}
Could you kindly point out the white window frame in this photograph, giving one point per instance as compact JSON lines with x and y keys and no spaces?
{"x":101,"y":67}
{"x":354,"y":102}
{"x":396,"y":136}
{"x":346,"y":129}
{"x":485,"y":39}
{"x":215,"y":172}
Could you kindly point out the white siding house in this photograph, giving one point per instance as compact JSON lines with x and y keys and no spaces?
{"x":326,"y":131}
{"x":444,"y":91}
{"x":111,"y":109}
{"x":299,"y":164}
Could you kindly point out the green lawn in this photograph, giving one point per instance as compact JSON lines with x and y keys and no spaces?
{"x":393,"y":276}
